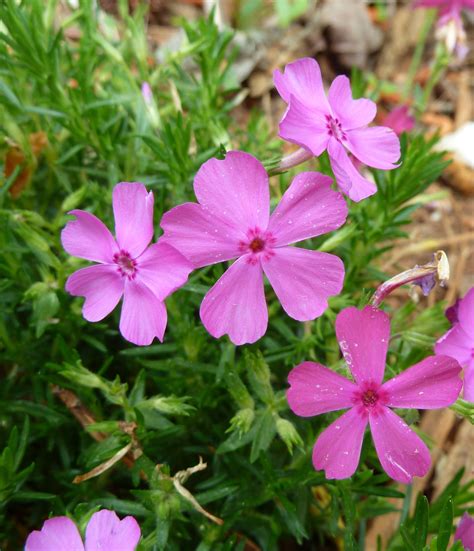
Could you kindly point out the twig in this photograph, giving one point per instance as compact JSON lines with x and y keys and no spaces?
{"x":96,"y":471}
{"x":180,"y":478}
{"x":85,"y":418}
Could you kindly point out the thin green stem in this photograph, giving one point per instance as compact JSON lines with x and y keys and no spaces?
{"x":418,"y":55}
{"x":441,"y":61}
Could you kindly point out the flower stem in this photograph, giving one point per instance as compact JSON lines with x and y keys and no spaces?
{"x":418,"y":55}
{"x":441,"y":61}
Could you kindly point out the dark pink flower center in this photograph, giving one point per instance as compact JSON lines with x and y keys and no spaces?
{"x":258,"y":242}
{"x":369,"y":398}
{"x":127,"y":267}
{"x":334,"y":128}
{"x":257,"y":245}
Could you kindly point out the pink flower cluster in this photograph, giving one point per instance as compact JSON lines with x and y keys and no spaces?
{"x":231,"y":220}
{"x":104,"y":532}
{"x":450,"y":27}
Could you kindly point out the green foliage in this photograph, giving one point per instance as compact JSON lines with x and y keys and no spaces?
{"x":191,"y":396}
{"x":434,"y":520}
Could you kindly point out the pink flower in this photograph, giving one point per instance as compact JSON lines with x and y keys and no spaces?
{"x":147,"y":93}
{"x":104,"y":532}
{"x":337,"y":124}
{"x":232,"y":220}
{"x":458,"y":342}
{"x":449,"y":27}
{"x":144,"y":275}
{"x":314,"y":389}
{"x":465,"y":532}
{"x":399,"y":120}
{"x":451,"y":8}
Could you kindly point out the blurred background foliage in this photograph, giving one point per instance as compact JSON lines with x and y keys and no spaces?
{"x":75,"y":122}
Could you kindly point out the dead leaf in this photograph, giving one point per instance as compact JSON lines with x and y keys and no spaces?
{"x":16,"y":157}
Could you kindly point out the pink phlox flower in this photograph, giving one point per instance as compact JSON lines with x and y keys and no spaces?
{"x":363,"y":337}
{"x":446,"y":8}
{"x":127,"y":266}
{"x":400,"y":120}
{"x":458,"y":342}
{"x":147,"y":93}
{"x":465,"y":532}
{"x":336,"y":123}
{"x":450,"y":28}
{"x":232,"y":220}
{"x":104,"y":532}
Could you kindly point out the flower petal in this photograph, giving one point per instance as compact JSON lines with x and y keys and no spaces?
{"x":468,"y":387}
{"x":399,"y":120}
{"x":305,"y":126}
{"x":236,"y":305}
{"x":302,"y":79}
{"x":102,"y":288}
{"x":87,"y":237}
{"x":465,"y":532}
{"x":377,"y":146}
{"x":143,"y":315}
{"x":315,"y":389}
{"x":349,"y":180}
{"x":200,"y":236}
{"x":337,"y":450}
{"x":309,"y":207}
{"x":106,"y":532}
{"x":163,"y":269}
{"x":363,"y":336}
{"x":303,"y":280}
{"x":133,"y":212}
{"x":466,"y":313}
{"x":58,"y":533}
{"x":430,"y":384}
{"x":457,"y":344}
{"x":401,"y":452}
{"x":235,"y":190}
{"x":352,"y":113}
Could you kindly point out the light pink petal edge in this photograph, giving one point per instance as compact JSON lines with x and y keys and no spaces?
{"x":315,"y":389}
{"x":401,"y":451}
{"x":106,"y":532}
{"x":235,"y":305}
{"x":58,"y":534}
{"x":88,"y":237}
{"x":432,"y":383}
{"x":309,"y":207}
{"x":143,"y":315}
{"x":337,"y":449}
{"x":303,"y":280}
{"x":363,"y":337}
{"x":133,"y":212}
{"x":101,"y":286}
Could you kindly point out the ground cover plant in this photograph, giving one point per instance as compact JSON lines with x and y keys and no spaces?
{"x":188,"y":300}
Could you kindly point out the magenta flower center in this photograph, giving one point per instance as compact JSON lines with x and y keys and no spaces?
{"x":127,"y":267}
{"x":258,"y":243}
{"x":334,"y":128}
{"x":370,"y":398}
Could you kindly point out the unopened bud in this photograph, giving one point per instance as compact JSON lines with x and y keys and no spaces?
{"x":288,"y":434}
{"x":242,"y":420}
